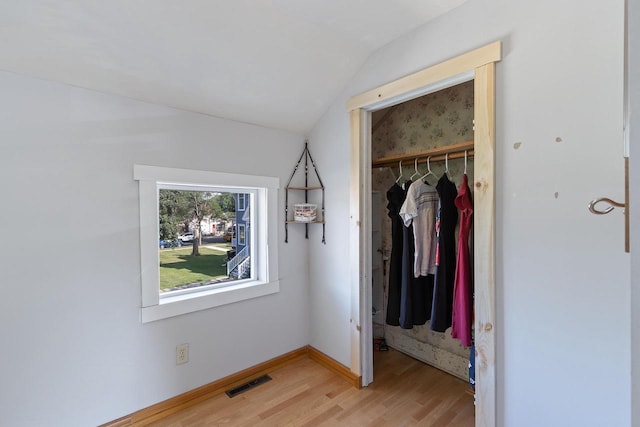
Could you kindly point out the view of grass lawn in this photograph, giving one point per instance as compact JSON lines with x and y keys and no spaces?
{"x":178,"y":267}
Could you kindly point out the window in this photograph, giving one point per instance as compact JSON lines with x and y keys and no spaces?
{"x":176,"y":208}
{"x":241,"y":235}
{"x":241,"y":202}
{"x":197,"y":258}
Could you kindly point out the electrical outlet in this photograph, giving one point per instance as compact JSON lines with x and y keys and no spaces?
{"x":182,"y":353}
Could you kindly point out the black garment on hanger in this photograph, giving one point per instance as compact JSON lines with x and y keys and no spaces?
{"x":395,"y":196}
{"x":416,"y":293}
{"x":442,"y":308}
{"x":406,"y":282}
{"x":422,"y":295}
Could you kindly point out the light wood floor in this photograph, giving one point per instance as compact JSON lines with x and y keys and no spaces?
{"x":405,"y":392}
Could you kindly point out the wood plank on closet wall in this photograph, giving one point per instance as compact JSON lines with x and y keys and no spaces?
{"x":484,"y":262}
{"x":356,"y":256}
{"x":428,"y":76}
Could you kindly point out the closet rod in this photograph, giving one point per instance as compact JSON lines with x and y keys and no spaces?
{"x":454,"y":151}
{"x":421,"y":160}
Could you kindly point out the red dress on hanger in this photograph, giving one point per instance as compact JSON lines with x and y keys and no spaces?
{"x":463,"y":285}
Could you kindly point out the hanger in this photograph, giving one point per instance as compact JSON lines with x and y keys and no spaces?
{"x":400,"y":173}
{"x":415,"y":166}
{"x":429,"y":171}
{"x":446,"y":164}
{"x":465,"y":162}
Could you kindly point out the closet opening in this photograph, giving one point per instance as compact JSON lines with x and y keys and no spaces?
{"x":372,"y":158}
{"x":421,"y":236}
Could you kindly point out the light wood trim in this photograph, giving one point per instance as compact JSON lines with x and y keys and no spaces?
{"x":435,"y":154}
{"x":355,"y":222}
{"x":334,"y":366}
{"x":178,"y":403}
{"x":484,"y":249}
{"x":447,"y":69}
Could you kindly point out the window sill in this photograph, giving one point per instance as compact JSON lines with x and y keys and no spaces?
{"x":196,"y":301}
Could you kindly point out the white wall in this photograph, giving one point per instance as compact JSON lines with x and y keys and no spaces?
{"x":563,"y":316}
{"x":74,"y":352}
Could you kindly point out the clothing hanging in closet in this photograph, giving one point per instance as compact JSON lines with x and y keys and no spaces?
{"x":418,"y":254}
{"x":442,"y":308}
{"x":415,"y":292}
{"x":427,"y":279}
{"x":419,"y":210}
{"x":395,"y":197}
{"x":463,"y":298}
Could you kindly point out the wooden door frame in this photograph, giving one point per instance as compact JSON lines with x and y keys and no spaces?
{"x":477,"y":65}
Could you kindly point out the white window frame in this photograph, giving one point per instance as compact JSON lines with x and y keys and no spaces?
{"x":264,"y":248}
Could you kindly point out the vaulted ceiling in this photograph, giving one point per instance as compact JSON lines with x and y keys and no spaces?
{"x":276,"y":63}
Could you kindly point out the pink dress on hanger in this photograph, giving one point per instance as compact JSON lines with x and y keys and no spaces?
{"x":463,"y":285}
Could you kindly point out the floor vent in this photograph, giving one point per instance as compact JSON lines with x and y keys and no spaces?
{"x":248,"y":386}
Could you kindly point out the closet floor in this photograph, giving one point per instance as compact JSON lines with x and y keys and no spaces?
{"x":406,"y":392}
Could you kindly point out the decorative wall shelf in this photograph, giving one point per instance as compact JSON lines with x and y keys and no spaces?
{"x":319,"y":216}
